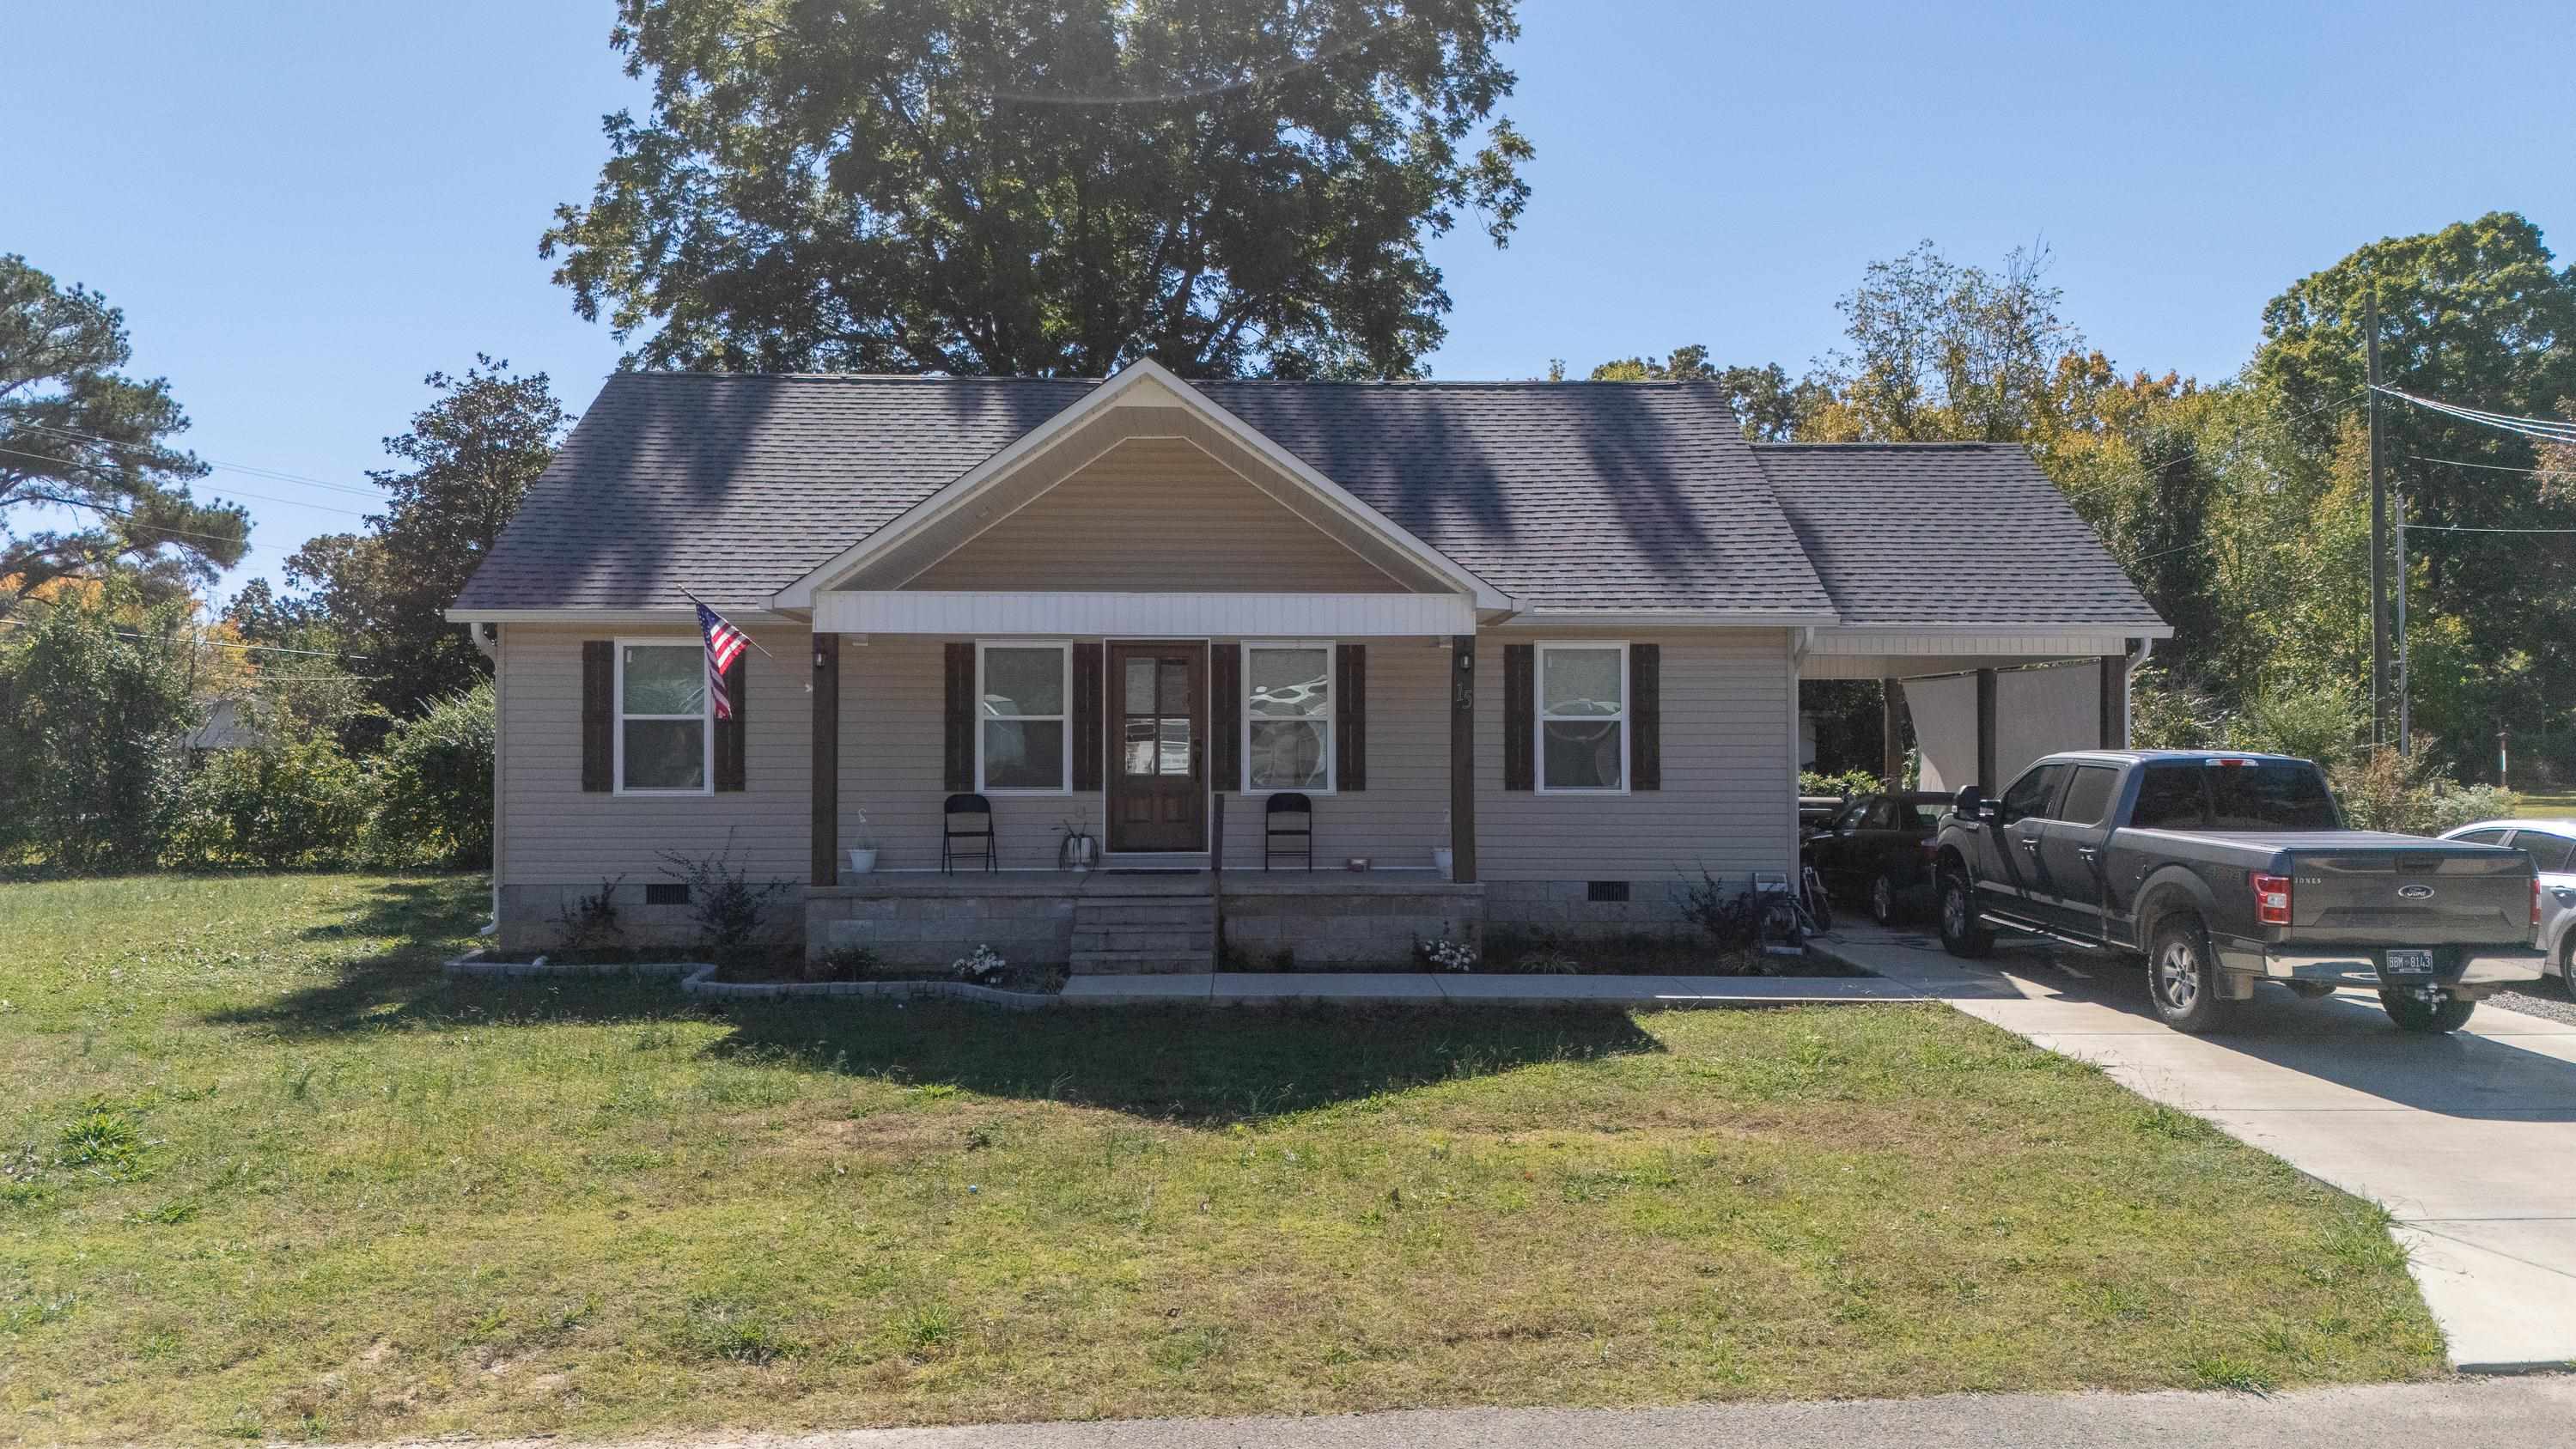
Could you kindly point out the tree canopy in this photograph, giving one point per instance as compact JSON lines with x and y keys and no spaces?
{"x":1026,"y":187}
{"x":473,"y":452}
{"x":89,"y":482}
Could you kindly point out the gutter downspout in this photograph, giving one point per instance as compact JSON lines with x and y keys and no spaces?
{"x":1800,"y":641}
{"x":2140,"y":651}
{"x":487,"y":639}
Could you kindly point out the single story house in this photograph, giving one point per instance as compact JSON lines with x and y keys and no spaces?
{"x":1530,"y":651}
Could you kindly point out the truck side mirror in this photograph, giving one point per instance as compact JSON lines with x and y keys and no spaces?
{"x":1970,"y":803}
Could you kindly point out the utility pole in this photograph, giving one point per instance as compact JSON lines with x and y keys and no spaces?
{"x":2405,"y":703}
{"x":2378,"y":537}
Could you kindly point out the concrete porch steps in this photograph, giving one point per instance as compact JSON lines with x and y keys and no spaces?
{"x":1124,"y":935}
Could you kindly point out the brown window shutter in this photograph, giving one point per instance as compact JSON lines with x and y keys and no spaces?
{"x":729,"y":732}
{"x":598,"y":714}
{"x":961,"y":717}
{"x":1645,"y":717}
{"x":1350,"y":716}
{"x":1225,"y":716}
{"x":1086,"y":716}
{"x":1520,"y":708}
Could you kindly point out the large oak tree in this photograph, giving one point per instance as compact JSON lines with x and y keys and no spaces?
{"x":1035,"y":187}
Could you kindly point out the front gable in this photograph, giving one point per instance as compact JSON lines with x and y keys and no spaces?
{"x":1157,"y":513}
{"x":1143,"y":486}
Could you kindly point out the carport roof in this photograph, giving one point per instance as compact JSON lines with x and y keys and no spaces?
{"x":1947,"y":534}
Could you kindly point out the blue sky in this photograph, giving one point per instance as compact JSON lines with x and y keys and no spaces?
{"x":304,"y":207}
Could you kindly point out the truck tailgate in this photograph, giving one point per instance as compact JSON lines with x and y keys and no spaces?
{"x":2428,"y":893}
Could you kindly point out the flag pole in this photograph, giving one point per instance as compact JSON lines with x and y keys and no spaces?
{"x":746,"y":633}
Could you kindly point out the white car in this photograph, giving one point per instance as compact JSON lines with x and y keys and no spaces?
{"x":2551,"y":844}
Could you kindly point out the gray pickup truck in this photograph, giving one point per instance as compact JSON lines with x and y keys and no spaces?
{"x":2226,"y":870}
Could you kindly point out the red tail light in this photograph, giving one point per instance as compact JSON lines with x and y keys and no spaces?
{"x":2271,"y":899}
{"x":2535,"y":901}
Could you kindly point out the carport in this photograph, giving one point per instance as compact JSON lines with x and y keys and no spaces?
{"x":1988,"y":610}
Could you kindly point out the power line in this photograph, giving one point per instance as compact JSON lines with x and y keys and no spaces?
{"x":2550,"y":429}
{"x":256,"y":472}
{"x":210,"y":643}
{"x":2490,"y":467}
{"x":2464,"y":528}
{"x":235,"y":492}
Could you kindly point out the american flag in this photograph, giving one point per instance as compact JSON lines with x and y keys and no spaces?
{"x":725,"y":644}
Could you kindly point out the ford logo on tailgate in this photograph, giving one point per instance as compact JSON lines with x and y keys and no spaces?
{"x":2414,"y":893}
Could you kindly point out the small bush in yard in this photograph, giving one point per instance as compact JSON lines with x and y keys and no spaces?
{"x":589,"y":923}
{"x":732,"y":914}
{"x":845,"y":963}
{"x":1547,"y":960}
{"x":2409,"y":794}
{"x":285,"y":804}
{"x":433,"y":786}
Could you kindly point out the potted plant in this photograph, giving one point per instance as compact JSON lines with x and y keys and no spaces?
{"x":863,"y":856}
{"x":1079,"y":849}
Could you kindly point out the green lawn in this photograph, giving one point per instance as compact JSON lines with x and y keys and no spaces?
{"x":263,"y":1173}
{"x":2559,"y":806}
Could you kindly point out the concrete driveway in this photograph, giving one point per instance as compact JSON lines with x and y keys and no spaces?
{"x":2469,"y":1140}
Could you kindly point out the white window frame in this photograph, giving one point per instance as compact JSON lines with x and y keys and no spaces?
{"x":1332,"y":718}
{"x":706,"y":717}
{"x":1538,"y":708}
{"x":1064,"y":665}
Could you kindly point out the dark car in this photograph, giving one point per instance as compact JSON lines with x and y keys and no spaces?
{"x":1877,"y":851}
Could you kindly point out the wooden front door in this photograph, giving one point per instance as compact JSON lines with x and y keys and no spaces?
{"x":1157,"y":746}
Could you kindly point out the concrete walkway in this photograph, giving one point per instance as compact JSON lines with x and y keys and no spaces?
{"x":2470,"y":1140}
{"x":2527,"y":1413}
{"x":1281,"y":988}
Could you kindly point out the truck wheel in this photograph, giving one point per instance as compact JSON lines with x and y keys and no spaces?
{"x":2182,"y":976}
{"x":2567,"y":965}
{"x":2414,"y":1013}
{"x":1882,"y":899}
{"x":1961,"y":934}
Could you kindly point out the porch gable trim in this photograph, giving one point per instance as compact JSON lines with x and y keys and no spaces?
{"x":1143,"y":379}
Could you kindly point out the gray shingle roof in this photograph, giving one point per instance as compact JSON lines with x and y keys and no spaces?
{"x":1613,"y":497}
{"x":1946,"y":533}
{"x":1602,"y":496}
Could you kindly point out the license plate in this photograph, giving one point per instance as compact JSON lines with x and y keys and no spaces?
{"x":2410,"y":963}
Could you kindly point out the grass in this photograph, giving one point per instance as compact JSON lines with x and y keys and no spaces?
{"x":264,"y":1174}
{"x":2559,"y":805}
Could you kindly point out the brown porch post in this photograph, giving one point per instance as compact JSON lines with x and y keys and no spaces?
{"x":1891,"y":734}
{"x":1462,"y":757}
{"x":827,"y":759}
{"x":1986,"y":780}
{"x":2115,"y":701}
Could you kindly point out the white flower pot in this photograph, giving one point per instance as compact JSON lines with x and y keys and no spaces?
{"x":1445,"y":860}
{"x":862,"y":860}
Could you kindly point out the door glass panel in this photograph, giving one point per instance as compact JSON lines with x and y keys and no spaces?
{"x":2029,"y":794}
{"x":1176,"y":687}
{"x":1140,"y":746}
{"x":1140,"y":686}
{"x":1176,"y":746}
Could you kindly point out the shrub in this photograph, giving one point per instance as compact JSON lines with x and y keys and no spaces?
{"x":1726,"y":917}
{"x":732,"y":914}
{"x":984,"y":967}
{"x":2410,"y":794}
{"x":589,"y":923}
{"x":284,"y":804}
{"x":433,"y":786}
{"x":845,"y":963}
{"x":1444,"y":955}
{"x":1846,"y":784}
{"x":2320,"y":723}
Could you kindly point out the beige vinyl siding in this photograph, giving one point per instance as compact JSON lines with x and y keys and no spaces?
{"x":1155,"y":514}
{"x":559,"y":834}
{"x":1404,"y":812}
{"x":1727,"y":799}
{"x":894,"y":706}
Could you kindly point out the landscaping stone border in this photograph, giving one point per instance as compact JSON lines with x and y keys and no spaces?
{"x":697,"y":978}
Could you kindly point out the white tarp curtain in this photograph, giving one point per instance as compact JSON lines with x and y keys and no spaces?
{"x":2037,"y":712}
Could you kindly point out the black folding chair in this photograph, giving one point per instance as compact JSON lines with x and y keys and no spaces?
{"x":950,"y":851}
{"x":1302,"y":834}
